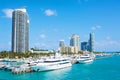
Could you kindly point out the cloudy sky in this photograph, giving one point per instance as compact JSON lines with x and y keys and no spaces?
{"x":54,"y":20}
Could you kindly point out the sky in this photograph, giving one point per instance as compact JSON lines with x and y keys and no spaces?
{"x":55,"y":20}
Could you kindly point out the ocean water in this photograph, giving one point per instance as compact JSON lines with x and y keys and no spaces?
{"x":104,"y":69}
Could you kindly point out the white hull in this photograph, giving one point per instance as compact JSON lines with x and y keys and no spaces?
{"x":50,"y":67}
{"x":86,"y":58}
{"x":51,"y":64}
{"x":84,"y":61}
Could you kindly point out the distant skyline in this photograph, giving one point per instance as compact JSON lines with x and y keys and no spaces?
{"x":55,"y":20}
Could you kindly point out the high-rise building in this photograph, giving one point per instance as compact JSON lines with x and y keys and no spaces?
{"x":20,"y":31}
{"x":75,"y":41}
{"x":84,"y":46}
{"x":91,"y":42}
{"x":62,"y":43}
{"x":62,"y":46}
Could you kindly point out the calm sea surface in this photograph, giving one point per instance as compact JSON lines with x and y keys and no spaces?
{"x":104,"y":69}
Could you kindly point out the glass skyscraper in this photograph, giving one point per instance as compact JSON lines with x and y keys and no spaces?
{"x":91,"y":42}
{"x":20,"y":31}
{"x":84,"y":46}
{"x":75,"y":41}
{"x":62,"y":43}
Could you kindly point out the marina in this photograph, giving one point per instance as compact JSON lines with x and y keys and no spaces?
{"x":47,"y":63}
{"x":96,"y":70}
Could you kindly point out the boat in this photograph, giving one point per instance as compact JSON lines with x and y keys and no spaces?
{"x":52,"y":64}
{"x":2,"y":65}
{"x":85,"y":58}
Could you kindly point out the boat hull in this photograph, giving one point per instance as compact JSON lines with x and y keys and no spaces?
{"x":85,"y":61}
{"x":50,"y":67}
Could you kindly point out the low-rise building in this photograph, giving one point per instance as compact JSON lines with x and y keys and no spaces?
{"x":69,"y":49}
{"x":40,"y":51}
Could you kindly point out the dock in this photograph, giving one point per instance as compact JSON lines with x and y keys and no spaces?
{"x":21,"y":70}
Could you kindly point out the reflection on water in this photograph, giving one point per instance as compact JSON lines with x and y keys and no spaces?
{"x":57,"y":74}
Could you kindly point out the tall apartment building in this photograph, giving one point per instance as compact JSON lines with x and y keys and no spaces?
{"x":75,"y":41}
{"x":20,"y":31}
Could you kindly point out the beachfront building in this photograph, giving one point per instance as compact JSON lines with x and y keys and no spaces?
{"x":62,"y":49}
{"x":69,"y":49}
{"x":73,"y":49}
{"x":75,"y":41}
{"x":20,"y":31}
{"x":39,"y":51}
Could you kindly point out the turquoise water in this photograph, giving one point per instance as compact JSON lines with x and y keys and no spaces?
{"x":104,"y":69}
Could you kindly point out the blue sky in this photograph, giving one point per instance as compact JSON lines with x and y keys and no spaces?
{"x":54,"y":20}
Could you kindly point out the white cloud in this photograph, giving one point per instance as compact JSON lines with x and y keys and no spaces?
{"x":8,"y":12}
{"x":42,"y":36}
{"x":108,"y":41}
{"x":96,"y":27}
{"x":107,"y":44}
{"x":49,"y":12}
{"x":93,"y":28}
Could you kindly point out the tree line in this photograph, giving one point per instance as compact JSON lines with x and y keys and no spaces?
{"x":5,"y":54}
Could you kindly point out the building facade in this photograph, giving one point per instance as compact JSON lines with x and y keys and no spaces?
{"x":20,"y":31}
{"x":75,"y":41}
{"x":62,"y":49}
{"x":61,"y":43}
{"x":91,"y":42}
{"x":89,"y":46}
{"x":69,"y":49}
{"x":84,"y":46}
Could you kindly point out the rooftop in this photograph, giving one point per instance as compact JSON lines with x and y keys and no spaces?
{"x":21,"y":9}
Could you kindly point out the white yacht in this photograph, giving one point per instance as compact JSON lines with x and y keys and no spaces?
{"x":52,"y":64}
{"x":85,"y":58}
